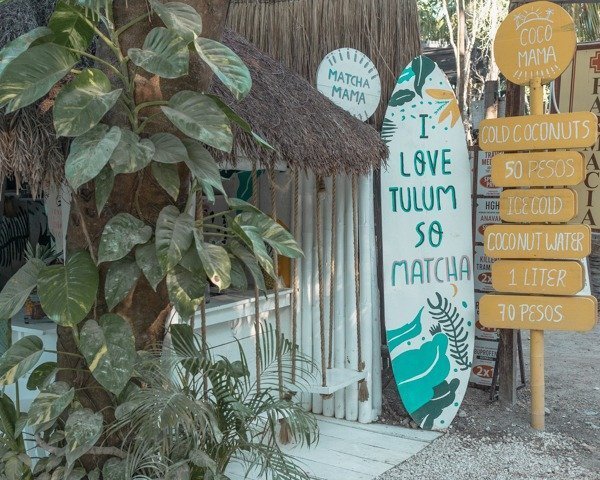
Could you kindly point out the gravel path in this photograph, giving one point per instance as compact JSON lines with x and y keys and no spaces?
{"x":488,"y":441}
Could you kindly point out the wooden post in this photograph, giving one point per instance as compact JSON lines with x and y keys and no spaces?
{"x":537,"y":336}
{"x":507,"y":361}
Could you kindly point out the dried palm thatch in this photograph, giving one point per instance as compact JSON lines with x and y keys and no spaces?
{"x":306,"y":129}
{"x":299,"y":33}
{"x":29,"y":149}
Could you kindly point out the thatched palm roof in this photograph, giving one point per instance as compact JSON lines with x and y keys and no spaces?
{"x":299,"y":33}
{"x":307,"y":130}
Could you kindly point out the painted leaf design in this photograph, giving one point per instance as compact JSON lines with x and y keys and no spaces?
{"x":16,"y":291}
{"x":440,"y":94}
{"x":418,"y":371}
{"x":453,"y":325}
{"x":19,"y":359}
{"x":82,"y":430}
{"x":443,"y":396}
{"x":405,"y":332}
{"x":20,"y":44}
{"x":401,"y":97}
{"x":423,"y":67}
{"x":388,"y":130}
{"x":49,"y":404}
{"x":406,"y":74}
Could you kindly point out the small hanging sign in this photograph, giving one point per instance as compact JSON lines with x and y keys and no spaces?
{"x":350,"y":80}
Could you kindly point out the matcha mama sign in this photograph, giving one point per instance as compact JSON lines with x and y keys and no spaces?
{"x":427,"y":245}
{"x":350,"y":80}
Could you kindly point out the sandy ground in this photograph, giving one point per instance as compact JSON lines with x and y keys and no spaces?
{"x":488,"y":441}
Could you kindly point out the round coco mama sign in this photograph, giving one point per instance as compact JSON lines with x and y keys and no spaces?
{"x":535,"y":40}
{"x":350,"y":80}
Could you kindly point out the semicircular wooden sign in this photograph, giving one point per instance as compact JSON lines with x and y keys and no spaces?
{"x":427,"y":245}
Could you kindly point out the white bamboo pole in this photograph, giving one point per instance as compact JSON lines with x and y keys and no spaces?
{"x":317,"y":400}
{"x":350,"y":304}
{"x":297,"y":223}
{"x":307,"y":182}
{"x":367,"y":269}
{"x":328,"y":405}
{"x":339,"y":336}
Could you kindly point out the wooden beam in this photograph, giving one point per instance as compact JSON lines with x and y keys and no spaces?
{"x":508,"y":354}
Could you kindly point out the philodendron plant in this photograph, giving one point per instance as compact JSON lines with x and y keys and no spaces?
{"x":175,"y":251}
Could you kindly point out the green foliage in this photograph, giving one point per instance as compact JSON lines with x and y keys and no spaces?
{"x":173,"y":236}
{"x":82,"y":430}
{"x":20,"y":358}
{"x":90,"y":153}
{"x":226,"y":65}
{"x":199,"y":117}
{"x":109,"y":349}
{"x":164,"y":54}
{"x":18,"y":288}
{"x":180,"y":18}
{"x":121,"y":278}
{"x":120,"y":235}
{"x":81,"y":104}
{"x":169,"y":430}
{"x":49,"y":404}
{"x":67,"y":292}
{"x":131,"y":153}
{"x":33,"y":73}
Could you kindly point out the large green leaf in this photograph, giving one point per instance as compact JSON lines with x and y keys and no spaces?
{"x":204,"y":168}
{"x":250,"y":262}
{"x":271,"y":232}
{"x":49,"y":404}
{"x":226,"y":65}
{"x":145,"y":256}
{"x":121,"y":278}
{"x":16,"y":291}
{"x":115,"y":469}
{"x":8,"y":416}
{"x":81,"y":104}
{"x":33,"y":73}
{"x":216,"y":263}
{"x":105,"y":182}
{"x":90,"y":153}
{"x":42,"y":376}
{"x":179,"y":17}
{"x":199,"y":117}
{"x":131,"y":154}
{"x":174,"y":235}
{"x":167,"y":177}
{"x":20,"y":358}
{"x":71,"y":26}
{"x":186,"y":290}
{"x":109,"y":349}
{"x":168,"y":148}
{"x":82,"y":430}
{"x":67,"y":292}
{"x":238,"y":275}
{"x":120,"y":235}
{"x":15,"y":48}
{"x":250,"y":235}
{"x":164,"y":53}
{"x":16,"y":468}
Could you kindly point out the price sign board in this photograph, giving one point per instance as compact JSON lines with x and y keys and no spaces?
{"x":545,"y":277}
{"x":538,"y":132}
{"x":538,"y":205}
{"x":535,"y":40}
{"x":538,"y":313}
{"x":538,"y":169}
{"x":538,"y":241}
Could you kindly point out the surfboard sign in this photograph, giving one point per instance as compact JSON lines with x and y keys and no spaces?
{"x":427,"y":245}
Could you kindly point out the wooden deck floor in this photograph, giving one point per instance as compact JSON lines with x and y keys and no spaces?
{"x":351,"y":451}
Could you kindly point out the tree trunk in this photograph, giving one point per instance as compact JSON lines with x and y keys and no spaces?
{"x":138,"y":194}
